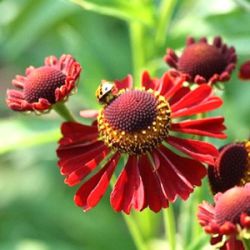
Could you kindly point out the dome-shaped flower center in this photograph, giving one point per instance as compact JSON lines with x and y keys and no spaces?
{"x":42,"y":83}
{"x":231,"y":204}
{"x":132,"y":111}
{"x":202,"y":59}
{"x":231,"y":168}
{"x":136,"y":121}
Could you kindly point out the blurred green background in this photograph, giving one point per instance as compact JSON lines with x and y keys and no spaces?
{"x":36,"y":208}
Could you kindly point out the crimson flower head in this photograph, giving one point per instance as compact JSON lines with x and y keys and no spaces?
{"x":228,"y":220}
{"x":42,"y":87}
{"x":203,"y":62}
{"x":244,"y":72}
{"x":133,"y":134}
{"x":231,"y":168}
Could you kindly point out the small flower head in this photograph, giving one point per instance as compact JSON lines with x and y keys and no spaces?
{"x":138,"y":125}
{"x":244,"y":72}
{"x":203,"y":62}
{"x":231,"y":168}
{"x":228,"y":220}
{"x":42,"y":87}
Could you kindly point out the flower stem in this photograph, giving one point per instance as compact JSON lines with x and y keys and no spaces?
{"x":197,"y":198}
{"x":63,"y":111}
{"x":136,"y":38}
{"x":135,"y":232}
{"x":132,"y":226}
{"x":166,"y":10}
{"x":170,"y":229}
{"x":246,"y":243}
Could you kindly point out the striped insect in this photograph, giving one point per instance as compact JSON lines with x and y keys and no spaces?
{"x":105,"y":93}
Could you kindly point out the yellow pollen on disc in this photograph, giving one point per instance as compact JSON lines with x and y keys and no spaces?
{"x":140,"y":141}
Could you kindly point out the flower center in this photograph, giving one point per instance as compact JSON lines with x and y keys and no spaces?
{"x":135,"y":122}
{"x":231,"y":204}
{"x":202,"y":59}
{"x":232,"y":168}
{"x":42,"y":83}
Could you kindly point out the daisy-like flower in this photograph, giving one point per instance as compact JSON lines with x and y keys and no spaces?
{"x":134,"y":125}
{"x":228,"y":220}
{"x":203,"y":62}
{"x":42,"y":87}
{"x":231,"y":168}
{"x":244,"y":72}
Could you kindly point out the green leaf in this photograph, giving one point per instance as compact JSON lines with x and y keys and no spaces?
{"x":125,"y":10}
{"x":15,"y":135}
{"x":36,"y":19}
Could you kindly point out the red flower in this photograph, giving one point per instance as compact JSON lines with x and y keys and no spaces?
{"x":229,"y":219}
{"x":231,"y":168}
{"x":44,"y":86}
{"x":134,"y":125}
{"x":244,"y":72}
{"x":202,"y":62}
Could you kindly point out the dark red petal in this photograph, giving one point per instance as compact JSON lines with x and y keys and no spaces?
{"x":69,"y":66}
{"x":201,"y":151}
{"x":190,"y":41}
{"x":74,"y":149}
{"x":194,"y":97}
{"x":234,"y":244}
{"x":166,"y":83}
{"x":216,"y":239}
{"x":193,"y":171}
{"x":170,"y":61}
{"x":128,"y":191}
{"x":154,"y":195}
{"x":41,"y":105}
{"x":205,"y":213}
{"x":90,"y":193}
{"x":75,"y":132}
{"x":196,"y":101}
{"x":125,"y":83}
{"x":149,"y":83}
{"x":173,"y":84}
{"x":212,"y":127}
{"x":19,"y":81}
{"x":15,"y":94}
{"x":84,"y":169}
{"x":173,"y":183}
{"x":49,"y":61}
{"x":15,"y":101}
{"x":178,"y":95}
{"x":76,"y":157}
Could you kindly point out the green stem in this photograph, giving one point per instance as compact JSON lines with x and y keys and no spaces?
{"x":198,"y":242}
{"x":170,"y":229}
{"x":246,"y":243}
{"x":132,"y":226}
{"x":166,"y":10}
{"x":135,"y":232}
{"x":63,"y":111}
{"x":136,"y":37}
{"x":196,"y":228}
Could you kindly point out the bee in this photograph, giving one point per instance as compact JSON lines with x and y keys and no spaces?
{"x":106,"y":92}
